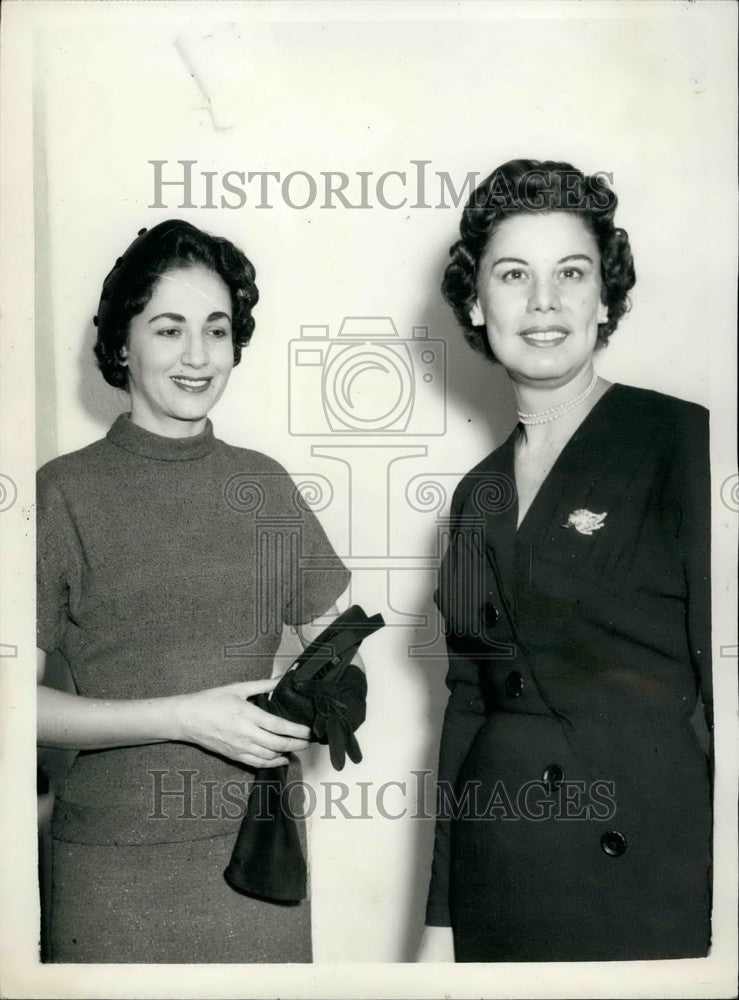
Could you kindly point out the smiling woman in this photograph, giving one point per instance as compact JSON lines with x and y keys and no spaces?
{"x":550,"y":299}
{"x":577,"y":611}
{"x":179,"y":362}
{"x":167,"y":593}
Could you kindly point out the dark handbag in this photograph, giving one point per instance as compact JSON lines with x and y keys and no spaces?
{"x":325,"y":691}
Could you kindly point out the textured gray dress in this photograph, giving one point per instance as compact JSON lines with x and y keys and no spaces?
{"x":167,"y":566}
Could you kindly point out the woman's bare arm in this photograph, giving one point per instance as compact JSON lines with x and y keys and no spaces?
{"x":218,"y":719}
{"x":66,"y":720}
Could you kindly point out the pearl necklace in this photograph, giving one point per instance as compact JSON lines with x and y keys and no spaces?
{"x":545,"y":416}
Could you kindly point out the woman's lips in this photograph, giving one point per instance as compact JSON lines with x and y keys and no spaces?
{"x":191,"y":385}
{"x":549,"y":336}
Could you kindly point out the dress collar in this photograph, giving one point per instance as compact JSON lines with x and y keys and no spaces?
{"x":127,"y":435}
{"x":581,"y":461}
{"x":577,"y":469}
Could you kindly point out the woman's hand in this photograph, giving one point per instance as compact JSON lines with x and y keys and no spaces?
{"x":437,"y":945}
{"x":220,"y":719}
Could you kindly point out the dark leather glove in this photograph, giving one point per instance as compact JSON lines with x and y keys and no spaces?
{"x":326,"y":692}
{"x":332,"y":706}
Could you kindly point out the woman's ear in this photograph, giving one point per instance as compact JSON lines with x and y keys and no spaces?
{"x":123,"y":355}
{"x":476,"y":316}
{"x":602,"y":312}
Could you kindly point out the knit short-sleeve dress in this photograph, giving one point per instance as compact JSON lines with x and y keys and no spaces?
{"x":167,"y":566}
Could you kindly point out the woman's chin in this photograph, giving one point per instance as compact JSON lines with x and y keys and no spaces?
{"x":194,"y":407}
{"x":553,"y":368}
{"x":549,"y":375}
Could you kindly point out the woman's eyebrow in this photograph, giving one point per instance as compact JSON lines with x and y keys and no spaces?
{"x":576,"y":256}
{"x":177,"y":318}
{"x":509,"y":260}
{"x":562,"y":260}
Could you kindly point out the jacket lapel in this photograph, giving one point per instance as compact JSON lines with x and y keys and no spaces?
{"x":499,"y":502}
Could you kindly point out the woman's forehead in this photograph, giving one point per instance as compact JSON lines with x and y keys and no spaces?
{"x":194,"y":286}
{"x":531,"y":234}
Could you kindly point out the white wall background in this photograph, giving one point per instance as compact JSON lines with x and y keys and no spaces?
{"x":637,"y":91}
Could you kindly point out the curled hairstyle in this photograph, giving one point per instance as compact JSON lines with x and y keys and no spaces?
{"x":130,"y":284}
{"x":538,"y":186}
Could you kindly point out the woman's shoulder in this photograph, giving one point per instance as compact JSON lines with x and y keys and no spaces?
{"x":491,"y":475}
{"x":660,"y":405}
{"x":248,"y":459}
{"x":676,"y":425}
{"x":251,"y":474}
{"x":73,"y":465}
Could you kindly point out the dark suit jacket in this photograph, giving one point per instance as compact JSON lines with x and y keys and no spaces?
{"x":580,"y":643}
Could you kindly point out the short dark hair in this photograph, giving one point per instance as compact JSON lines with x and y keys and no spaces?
{"x":130,"y":284}
{"x":538,"y":186}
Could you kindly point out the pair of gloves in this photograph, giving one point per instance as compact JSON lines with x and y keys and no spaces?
{"x":325,"y":691}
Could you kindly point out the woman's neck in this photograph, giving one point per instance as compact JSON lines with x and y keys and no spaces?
{"x":172,"y":427}
{"x":532,"y":397}
{"x":557,"y":413}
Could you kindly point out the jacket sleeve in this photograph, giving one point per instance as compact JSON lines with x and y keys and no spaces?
{"x":462,"y":719}
{"x":692,"y":478}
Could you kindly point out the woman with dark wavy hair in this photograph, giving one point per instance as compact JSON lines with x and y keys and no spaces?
{"x":168,"y":563}
{"x":574,"y":786}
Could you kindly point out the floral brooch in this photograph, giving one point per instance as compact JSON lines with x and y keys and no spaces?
{"x":585,"y":521}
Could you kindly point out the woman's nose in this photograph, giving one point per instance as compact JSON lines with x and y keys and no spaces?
{"x":544,"y":296}
{"x":194,"y":351}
